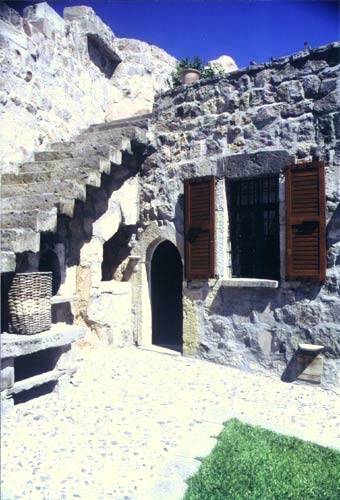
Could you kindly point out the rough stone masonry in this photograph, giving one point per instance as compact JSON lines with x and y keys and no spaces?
{"x":255,"y":121}
{"x":103,"y":197}
{"x":55,"y":81}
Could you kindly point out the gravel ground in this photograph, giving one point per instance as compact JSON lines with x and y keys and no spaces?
{"x":131,"y":422}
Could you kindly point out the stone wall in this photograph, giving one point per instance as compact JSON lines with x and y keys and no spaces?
{"x":55,"y":77}
{"x":102,"y":306}
{"x":255,"y":121}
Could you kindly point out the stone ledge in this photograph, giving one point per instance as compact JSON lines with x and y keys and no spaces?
{"x":59,"y":335}
{"x":311,"y":348}
{"x":249,"y":283}
{"x":37,"y":380}
{"x":61,"y":299}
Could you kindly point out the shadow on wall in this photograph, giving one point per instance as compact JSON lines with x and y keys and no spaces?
{"x":6,"y":280}
{"x":101,"y":55}
{"x":115,"y":251}
{"x":296,"y":366}
{"x":179,"y":227}
{"x":61,"y":249}
{"x":35,"y":364}
{"x":72,"y":233}
{"x":49,"y":262}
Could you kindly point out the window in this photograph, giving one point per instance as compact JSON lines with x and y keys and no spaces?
{"x":254,"y":227}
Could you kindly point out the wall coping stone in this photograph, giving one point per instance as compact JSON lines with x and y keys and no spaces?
{"x":274,"y":63}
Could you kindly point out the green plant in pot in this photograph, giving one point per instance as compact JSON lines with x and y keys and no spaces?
{"x":190,"y":70}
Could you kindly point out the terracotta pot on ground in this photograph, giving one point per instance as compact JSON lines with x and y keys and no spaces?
{"x":190,"y":75}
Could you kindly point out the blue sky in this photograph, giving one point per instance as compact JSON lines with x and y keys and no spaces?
{"x":247,"y":30}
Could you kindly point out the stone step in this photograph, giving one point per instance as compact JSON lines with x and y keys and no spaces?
{"x":26,"y":178}
{"x":94,"y":142}
{"x":62,"y":147}
{"x":82,"y":175}
{"x":98,"y":158}
{"x":38,"y":220}
{"x":67,"y":188}
{"x":20,"y":240}
{"x":97,"y":139}
{"x":72,"y":164}
{"x":51,"y":155}
{"x":137,"y":121}
{"x":7,"y":261}
{"x":141,"y":137}
{"x":65,"y":205}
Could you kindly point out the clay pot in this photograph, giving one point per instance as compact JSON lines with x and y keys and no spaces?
{"x":190,"y":75}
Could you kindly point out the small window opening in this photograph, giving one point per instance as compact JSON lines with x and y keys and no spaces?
{"x":254,"y":227}
{"x":101,"y":55}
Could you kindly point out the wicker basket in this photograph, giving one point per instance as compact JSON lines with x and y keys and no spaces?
{"x":29,"y":302}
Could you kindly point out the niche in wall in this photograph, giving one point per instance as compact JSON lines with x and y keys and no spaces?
{"x":101,"y":55}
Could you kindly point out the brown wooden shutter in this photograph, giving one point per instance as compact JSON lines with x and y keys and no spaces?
{"x":200,"y":228}
{"x":305,"y":214}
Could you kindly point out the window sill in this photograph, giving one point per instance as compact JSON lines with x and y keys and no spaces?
{"x":249,"y":283}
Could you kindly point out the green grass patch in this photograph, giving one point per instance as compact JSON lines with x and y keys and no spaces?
{"x":253,"y":463}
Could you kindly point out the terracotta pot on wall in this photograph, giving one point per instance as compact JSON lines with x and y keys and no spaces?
{"x":190,"y":75}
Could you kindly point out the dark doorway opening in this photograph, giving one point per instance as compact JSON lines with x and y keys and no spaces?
{"x":166,"y":297}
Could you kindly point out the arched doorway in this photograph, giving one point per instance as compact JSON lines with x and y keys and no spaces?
{"x":166,"y":296}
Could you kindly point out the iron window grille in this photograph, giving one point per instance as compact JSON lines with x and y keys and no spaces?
{"x":254,"y":227}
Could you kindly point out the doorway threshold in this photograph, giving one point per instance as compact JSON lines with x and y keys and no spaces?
{"x":169,"y":350}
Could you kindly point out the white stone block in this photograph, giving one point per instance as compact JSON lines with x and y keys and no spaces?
{"x":69,"y":287}
{"x":129,"y":201}
{"x":110,"y":312}
{"x":225,"y":63}
{"x":107,"y":225}
{"x":44,"y":18}
{"x":9,"y":34}
{"x":91,"y":252}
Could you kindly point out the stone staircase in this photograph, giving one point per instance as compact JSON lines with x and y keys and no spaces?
{"x":33,"y":197}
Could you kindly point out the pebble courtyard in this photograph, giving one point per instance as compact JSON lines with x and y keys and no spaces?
{"x":131,"y":423}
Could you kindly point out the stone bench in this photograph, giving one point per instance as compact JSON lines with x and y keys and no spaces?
{"x":58,"y":339}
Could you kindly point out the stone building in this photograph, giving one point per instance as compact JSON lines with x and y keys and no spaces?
{"x":203,"y":218}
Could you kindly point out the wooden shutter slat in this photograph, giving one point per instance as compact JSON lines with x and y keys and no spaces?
{"x":200,"y":228}
{"x":305,"y":221}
